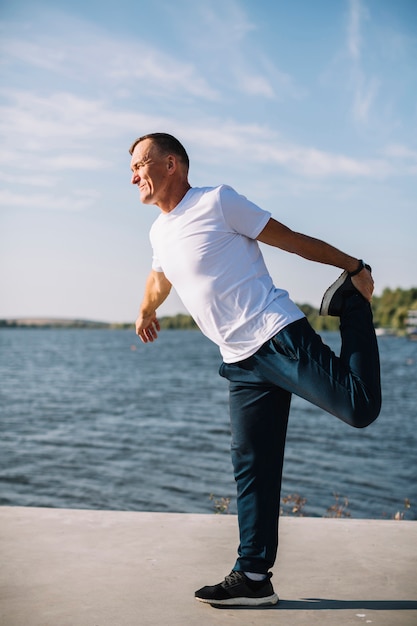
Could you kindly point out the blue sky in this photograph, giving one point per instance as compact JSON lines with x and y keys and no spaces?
{"x":307,"y":108}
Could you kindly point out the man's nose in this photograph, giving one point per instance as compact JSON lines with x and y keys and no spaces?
{"x":135,"y":178}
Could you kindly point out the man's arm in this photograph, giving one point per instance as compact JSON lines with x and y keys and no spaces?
{"x":280,"y":236}
{"x":156,"y":291}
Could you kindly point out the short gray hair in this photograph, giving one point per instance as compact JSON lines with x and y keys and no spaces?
{"x":167,"y":144}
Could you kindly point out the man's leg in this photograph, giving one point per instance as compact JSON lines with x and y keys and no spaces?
{"x":359,"y":349}
{"x":296,"y":359}
{"x":259,"y":417}
{"x":347,"y":386}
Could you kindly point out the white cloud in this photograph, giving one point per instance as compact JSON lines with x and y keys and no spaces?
{"x":157,"y":71}
{"x":228,"y":22}
{"x":271,"y":83}
{"x":405,"y":158}
{"x":353,"y":29}
{"x":256,"y":86}
{"x":364,"y":96}
{"x":63,"y":116}
{"x":401,"y":152}
{"x":66,"y":132}
{"x":53,"y":201}
{"x":62,"y":126}
{"x":98,"y":62}
{"x":28,"y":179}
{"x":365,"y":89}
{"x":316,"y":163}
{"x":261,"y":146}
{"x":43,"y":54}
{"x":235,"y":57}
{"x":93,"y":57}
{"x":336,"y":164}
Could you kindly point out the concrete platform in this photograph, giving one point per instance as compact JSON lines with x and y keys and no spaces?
{"x":104,"y":568}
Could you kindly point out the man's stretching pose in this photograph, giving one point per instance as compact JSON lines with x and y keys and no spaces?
{"x":205,"y":243}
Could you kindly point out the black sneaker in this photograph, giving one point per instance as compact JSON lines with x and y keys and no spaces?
{"x":238,"y":590}
{"x":333,"y":299}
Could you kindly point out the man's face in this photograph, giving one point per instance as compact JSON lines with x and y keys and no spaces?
{"x":150,"y":172}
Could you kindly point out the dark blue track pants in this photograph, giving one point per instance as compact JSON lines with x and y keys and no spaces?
{"x":294,"y":361}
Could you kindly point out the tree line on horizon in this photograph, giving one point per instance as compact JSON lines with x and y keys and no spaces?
{"x":390,"y":311}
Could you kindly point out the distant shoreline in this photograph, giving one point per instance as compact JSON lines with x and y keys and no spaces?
{"x":395,"y":313}
{"x":43,"y":322}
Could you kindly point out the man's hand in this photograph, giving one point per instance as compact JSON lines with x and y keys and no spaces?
{"x":147,"y":327}
{"x":364,"y":283}
{"x":156,"y":291}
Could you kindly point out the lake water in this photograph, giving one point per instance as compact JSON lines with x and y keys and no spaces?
{"x":95,"y":419}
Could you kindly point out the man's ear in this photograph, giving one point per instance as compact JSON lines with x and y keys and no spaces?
{"x":171,"y":164}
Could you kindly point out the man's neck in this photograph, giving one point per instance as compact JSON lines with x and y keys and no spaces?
{"x":174,"y":198}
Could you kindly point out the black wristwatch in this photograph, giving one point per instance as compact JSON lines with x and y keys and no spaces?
{"x":360,"y":267}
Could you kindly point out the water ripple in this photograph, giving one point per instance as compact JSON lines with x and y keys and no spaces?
{"x":87,"y":422}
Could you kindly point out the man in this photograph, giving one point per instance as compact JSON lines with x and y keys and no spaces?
{"x":205,"y":243}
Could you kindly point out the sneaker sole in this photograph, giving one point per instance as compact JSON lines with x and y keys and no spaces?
{"x":329,"y":293}
{"x":266,"y":601}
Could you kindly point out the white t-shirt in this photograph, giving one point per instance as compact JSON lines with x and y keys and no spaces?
{"x":207,"y":249}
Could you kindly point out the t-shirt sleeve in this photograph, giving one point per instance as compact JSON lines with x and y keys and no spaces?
{"x":156,"y":263}
{"x":241,"y":215}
